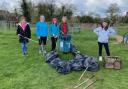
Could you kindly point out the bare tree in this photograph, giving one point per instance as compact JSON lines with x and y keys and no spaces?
{"x":113,"y":11}
{"x":26,"y":10}
{"x":52,"y":6}
{"x":50,"y":10}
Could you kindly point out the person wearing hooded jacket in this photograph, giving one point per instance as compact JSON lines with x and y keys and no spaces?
{"x":54,"y":33}
{"x":24,"y":34}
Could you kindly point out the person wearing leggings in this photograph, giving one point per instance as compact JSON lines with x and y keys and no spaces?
{"x":104,"y":32}
{"x":42,"y":33}
{"x":54,"y":32}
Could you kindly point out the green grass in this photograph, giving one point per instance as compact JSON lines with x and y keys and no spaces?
{"x":31,"y":72}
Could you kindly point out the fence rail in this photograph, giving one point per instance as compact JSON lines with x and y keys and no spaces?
{"x":74,"y":27}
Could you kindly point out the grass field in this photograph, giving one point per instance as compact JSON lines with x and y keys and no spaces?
{"x":31,"y":72}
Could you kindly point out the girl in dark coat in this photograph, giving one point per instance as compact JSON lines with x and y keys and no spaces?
{"x":24,"y":33}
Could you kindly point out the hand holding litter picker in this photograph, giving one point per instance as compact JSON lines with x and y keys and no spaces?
{"x":28,"y":38}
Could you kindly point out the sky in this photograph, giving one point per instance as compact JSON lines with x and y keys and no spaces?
{"x":82,"y":6}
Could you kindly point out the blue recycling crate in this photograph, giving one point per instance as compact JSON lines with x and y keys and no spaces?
{"x":65,"y":43}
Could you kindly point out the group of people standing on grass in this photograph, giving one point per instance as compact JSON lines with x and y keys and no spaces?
{"x":42,"y":32}
{"x":104,"y":31}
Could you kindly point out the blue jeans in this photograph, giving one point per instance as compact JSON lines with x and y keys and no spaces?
{"x":24,"y":48}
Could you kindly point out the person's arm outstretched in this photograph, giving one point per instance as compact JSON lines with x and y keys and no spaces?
{"x":96,"y":31}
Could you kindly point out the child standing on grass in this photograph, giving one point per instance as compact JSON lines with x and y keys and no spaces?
{"x":103,"y":32}
{"x":24,"y":32}
{"x":64,"y":26}
{"x":54,"y":32}
{"x":42,"y":33}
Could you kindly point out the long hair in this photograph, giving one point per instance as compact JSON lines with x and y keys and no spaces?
{"x":64,"y":18}
{"x":21,"y":18}
{"x":106,"y":28}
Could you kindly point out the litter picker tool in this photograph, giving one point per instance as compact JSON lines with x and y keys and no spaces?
{"x":98,"y":79}
{"x":83,"y":74}
{"x":84,"y":81}
{"x":34,"y":42}
{"x":29,"y":39}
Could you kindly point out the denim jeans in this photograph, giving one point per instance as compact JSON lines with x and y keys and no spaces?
{"x":24,"y":48}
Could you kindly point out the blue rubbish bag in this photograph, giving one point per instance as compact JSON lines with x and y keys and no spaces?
{"x":65,"y":43}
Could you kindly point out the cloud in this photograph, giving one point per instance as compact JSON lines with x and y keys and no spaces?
{"x":99,"y":6}
{"x":9,"y":4}
{"x":82,"y":6}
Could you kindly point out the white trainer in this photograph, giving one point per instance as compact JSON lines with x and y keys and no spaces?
{"x":100,"y":58}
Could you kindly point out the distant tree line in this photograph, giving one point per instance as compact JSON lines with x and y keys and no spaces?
{"x":50,"y":9}
{"x":47,"y":8}
{"x":113,"y":16}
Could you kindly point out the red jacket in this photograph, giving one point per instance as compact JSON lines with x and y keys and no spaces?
{"x":64,"y":28}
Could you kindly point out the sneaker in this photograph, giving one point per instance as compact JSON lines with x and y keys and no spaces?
{"x":42,"y":48}
{"x":100,"y":58}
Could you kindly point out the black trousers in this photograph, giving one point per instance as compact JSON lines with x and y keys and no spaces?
{"x":42,"y":40}
{"x":106,"y":48}
{"x":53,"y":40}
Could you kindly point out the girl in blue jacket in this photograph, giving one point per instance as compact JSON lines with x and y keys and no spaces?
{"x":42,"y":33}
{"x":104,"y":32}
{"x":54,"y":32}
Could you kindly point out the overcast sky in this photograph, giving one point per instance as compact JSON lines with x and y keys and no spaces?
{"x":82,"y":6}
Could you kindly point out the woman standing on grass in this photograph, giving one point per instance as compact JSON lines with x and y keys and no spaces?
{"x":54,"y":32}
{"x":42,"y":33}
{"x":24,"y":33}
{"x":103,"y":32}
{"x":64,"y":26}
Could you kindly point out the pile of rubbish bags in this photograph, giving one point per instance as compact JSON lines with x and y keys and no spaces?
{"x":78,"y":63}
